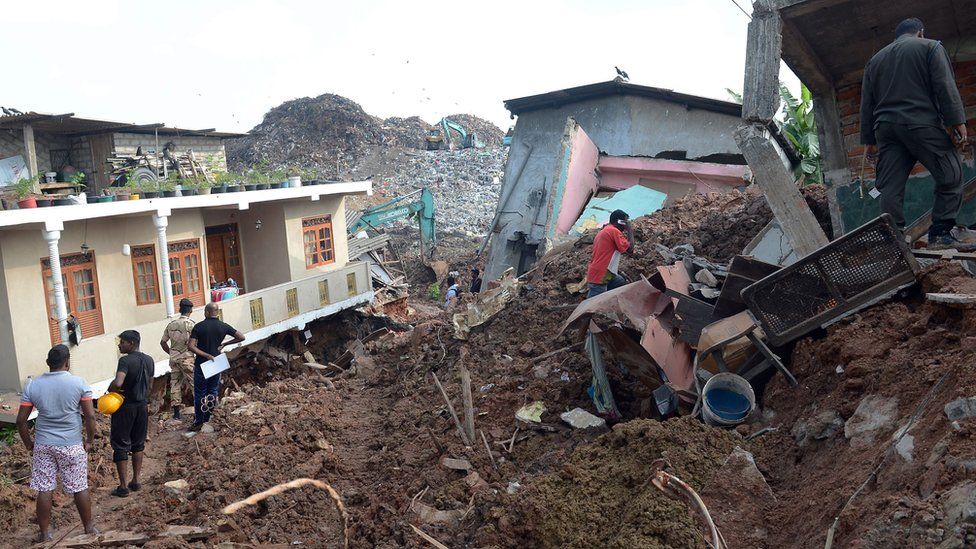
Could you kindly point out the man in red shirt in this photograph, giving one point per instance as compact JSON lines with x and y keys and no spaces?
{"x":613,"y":239}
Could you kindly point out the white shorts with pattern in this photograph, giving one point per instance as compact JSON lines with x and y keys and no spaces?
{"x":69,"y":464}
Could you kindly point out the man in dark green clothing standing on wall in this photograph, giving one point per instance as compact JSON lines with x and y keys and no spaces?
{"x":911,"y":112}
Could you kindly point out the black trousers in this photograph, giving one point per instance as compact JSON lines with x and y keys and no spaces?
{"x":129,"y":426}
{"x":899,"y":148}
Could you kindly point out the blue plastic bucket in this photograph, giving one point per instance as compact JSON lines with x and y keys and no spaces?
{"x":727,"y":399}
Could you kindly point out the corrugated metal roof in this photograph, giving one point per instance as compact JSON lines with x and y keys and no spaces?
{"x":559,"y":98}
{"x":69,"y":124}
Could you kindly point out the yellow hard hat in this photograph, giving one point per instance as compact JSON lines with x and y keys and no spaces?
{"x":109,"y":403}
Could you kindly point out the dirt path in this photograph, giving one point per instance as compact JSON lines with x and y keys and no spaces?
{"x":109,"y":512}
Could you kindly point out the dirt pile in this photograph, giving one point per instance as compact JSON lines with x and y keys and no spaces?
{"x":332,"y":135}
{"x":859,"y":386}
{"x":603,"y":496}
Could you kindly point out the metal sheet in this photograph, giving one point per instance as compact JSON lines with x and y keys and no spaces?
{"x":670,"y":354}
{"x":629,"y":305}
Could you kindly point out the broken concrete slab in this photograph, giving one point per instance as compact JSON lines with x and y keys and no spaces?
{"x":822,"y":426}
{"x":961,"y":408}
{"x":581,"y":419}
{"x":905,"y":448}
{"x":874,"y":413}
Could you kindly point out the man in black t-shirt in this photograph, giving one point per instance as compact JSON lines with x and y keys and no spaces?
{"x":131,"y":421}
{"x":206,"y":342}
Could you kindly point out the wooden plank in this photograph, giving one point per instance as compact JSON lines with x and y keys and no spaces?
{"x":945,"y":254}
{"x":467,"y":402}
{"x":760,"y":89}
{"x":693,"y":315}
{"x":953,"y":299}
{"x":31,"y":151}
{"x":768,"y":165}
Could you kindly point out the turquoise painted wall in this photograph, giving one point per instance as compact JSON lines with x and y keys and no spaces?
{"x":856,"y":211}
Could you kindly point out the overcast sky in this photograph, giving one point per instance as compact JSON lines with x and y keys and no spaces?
{"x":223,"y":64}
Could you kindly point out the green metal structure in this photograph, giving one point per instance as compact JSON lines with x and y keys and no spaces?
{"x":419,"y":203}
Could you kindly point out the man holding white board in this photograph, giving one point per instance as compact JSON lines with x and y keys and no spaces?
{"x":207,"y":343}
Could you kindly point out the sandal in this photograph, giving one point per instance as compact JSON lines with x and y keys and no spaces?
{"x":135,"y":486}
{"x":120,"y":492}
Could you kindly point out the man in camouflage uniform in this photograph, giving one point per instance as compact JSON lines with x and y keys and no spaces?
{"x":174,"y":341}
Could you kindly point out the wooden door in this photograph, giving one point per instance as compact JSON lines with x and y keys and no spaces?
{"x":216,"y":262}
{"x":80,"y":279}
{"x":101,"y":148}
{"x":186,"y":272}
{"x":224,"y":254}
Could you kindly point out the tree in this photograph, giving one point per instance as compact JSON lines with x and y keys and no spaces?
{"x":800,"y":128}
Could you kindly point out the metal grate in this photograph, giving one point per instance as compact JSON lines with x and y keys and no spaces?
{"x":848,"y":273}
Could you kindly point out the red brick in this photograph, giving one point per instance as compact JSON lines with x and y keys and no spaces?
{"x":848,"y":109}
{"x":852,"y":91}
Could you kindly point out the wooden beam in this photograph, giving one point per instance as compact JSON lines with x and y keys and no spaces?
{"x":760,"y":89}
{"x":31,"y":151}
{"x":795,"y":8}
{"x":770,"y":168}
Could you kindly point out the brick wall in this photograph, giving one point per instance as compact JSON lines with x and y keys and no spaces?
{"x":208,"y":150}
{"x":12,"y":144}
{"x":849,"y":104}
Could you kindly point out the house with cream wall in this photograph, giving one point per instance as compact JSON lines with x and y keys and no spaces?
{"x":126,"y":265}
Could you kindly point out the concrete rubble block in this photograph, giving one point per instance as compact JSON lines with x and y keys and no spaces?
{"x":431,"y":515}
{"x":961,"y":408}
{"x":177,"y":486}
{"x":819,"y":427}
{"x":579,"y":418}
{"x":959,"y":505}
{"x":874,"y":414}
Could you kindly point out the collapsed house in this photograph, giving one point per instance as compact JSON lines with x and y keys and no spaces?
{"x":572,"y":145}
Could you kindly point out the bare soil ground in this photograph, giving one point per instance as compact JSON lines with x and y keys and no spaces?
{"x":374,"y":434}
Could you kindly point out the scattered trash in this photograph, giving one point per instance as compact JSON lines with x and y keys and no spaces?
{"x":486,"y":388}
{"x":531,"y":413}
{"x":581,"y":419}
{"x":512,"y":488}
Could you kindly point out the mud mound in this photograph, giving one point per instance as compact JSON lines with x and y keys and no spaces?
{"x":858,"y":386}
{"x":602,"y":497}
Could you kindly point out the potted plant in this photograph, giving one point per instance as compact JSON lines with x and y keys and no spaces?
{"x":167,"y":187}
{"x":148,"y":188}
{"x":24,"y":189}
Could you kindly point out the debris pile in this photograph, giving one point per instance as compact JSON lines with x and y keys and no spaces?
{"x":465,"y":184}
{"x":331,"y":135}
{"x":905,"y":361}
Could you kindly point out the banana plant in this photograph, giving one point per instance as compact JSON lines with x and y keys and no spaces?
{"x":800,"y":128}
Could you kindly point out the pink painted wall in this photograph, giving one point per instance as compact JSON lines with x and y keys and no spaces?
{"x":622,"y":172}
{"x":581,"y":180}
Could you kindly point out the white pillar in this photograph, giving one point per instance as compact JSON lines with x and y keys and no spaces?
{"x":162,"y":243}
{"x":60,"y":305}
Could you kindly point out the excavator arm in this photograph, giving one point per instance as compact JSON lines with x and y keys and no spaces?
{"x":419,"y":203}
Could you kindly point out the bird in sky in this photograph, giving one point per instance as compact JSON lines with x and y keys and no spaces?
{"x":621,"y":73}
